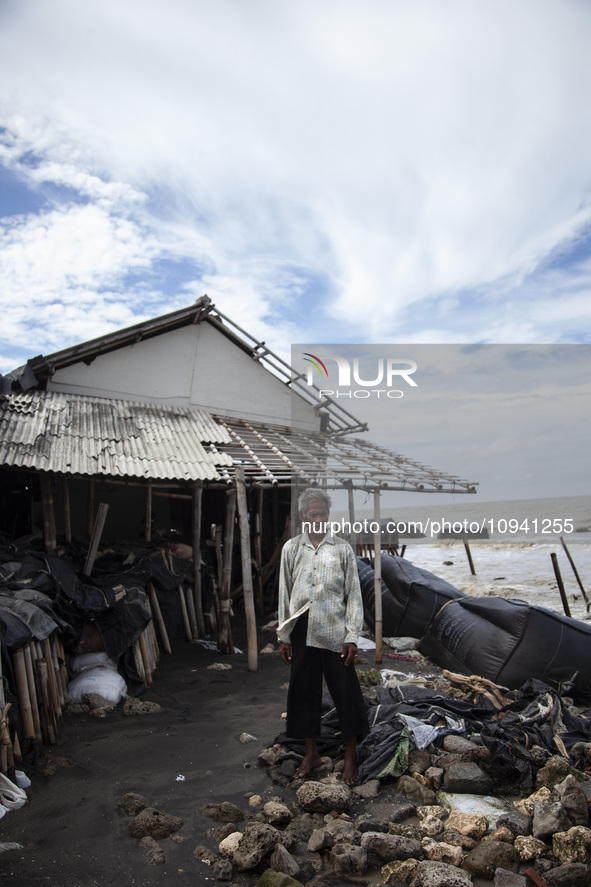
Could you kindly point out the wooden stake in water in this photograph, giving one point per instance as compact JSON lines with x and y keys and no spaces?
{"x":560,"y":584}
{"x":572,"y":563}
{"x":467,"y":547}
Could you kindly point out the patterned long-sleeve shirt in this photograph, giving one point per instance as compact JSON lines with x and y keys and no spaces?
{"x":325,"y":582}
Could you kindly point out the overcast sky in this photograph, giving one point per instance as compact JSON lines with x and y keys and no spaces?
{"x":340,"y":171}
{"x":513,"y":419}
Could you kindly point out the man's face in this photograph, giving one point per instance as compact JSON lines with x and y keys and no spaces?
{"x":316,"y":516}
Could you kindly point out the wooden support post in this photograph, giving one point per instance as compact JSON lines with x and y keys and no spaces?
{"x":577,"y":577}
{"x":157,"y":614}
{"x":251,"y":629}
{"x":402,"y":550}
{"x":353,"y":534}
{"x":95,"y":537}
{"x":148,"y":516}
{"x":190,"y":605}
{"x":224,"y":634}
{"x":258,"y":550}
{"x":560,"y":583}
{"x":67,"y":510}
{"x":377,"y":568}
{"x":469,"y":556}
{"x":197,"y":591}
{"x":90,"y":509}
{"x":218,"y":554}
{"x":49,"y":530}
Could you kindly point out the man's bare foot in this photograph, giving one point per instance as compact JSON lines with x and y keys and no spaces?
{"x":349,"y":775}
{"x":309,"y":763}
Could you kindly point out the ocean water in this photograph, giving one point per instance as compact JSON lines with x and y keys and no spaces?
{"x":516,"y":561}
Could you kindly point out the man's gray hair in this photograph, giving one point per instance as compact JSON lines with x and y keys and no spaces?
{"x":313,"y":494}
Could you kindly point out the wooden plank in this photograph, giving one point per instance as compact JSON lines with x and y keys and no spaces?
{"x":251,"y":630}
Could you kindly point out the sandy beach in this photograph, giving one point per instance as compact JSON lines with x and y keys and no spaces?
{"x":187,"y":754}
{"x":179,"y":758}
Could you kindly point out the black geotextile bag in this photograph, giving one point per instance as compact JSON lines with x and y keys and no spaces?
{"x":509,"y":641}
{"x":411,"y":597}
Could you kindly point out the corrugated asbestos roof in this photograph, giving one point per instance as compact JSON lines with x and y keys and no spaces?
{"x":75,"y":434}
{"x":277,"y":455}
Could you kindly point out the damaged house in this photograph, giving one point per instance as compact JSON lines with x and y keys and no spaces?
{"x":172,"y":437}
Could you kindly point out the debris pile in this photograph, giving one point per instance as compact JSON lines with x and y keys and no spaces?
{"x":436,"y":802}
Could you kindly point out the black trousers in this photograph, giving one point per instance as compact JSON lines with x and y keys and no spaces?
{"x":304,"y":697}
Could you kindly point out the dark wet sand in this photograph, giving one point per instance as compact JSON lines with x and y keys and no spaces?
{"x":73,"y":835}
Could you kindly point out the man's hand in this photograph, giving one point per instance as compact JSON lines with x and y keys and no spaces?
{"x":285,"y":651}
{"x":349,"y":653}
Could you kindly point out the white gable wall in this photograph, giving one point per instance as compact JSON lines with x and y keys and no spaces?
{"x":194,"y":366}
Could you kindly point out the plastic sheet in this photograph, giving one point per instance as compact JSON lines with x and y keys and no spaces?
{"x":509,"y":641}
{"x":411,"y":597}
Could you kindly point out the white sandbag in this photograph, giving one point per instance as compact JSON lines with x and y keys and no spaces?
{"x":90,"y":660}
{"x":11,"y":796}
{"x":105,"y":681}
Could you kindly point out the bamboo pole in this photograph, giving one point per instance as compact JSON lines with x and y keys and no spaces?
{"x":377,"y":545}
{"x":563,"y":596}
{"x":63,"y":667}
{"x":224,"y":634}
{"x":49,"y":530}
{"x":575,"y":571}
{"x":53,"y":690}
{"x":145,"y":659}
{"x":251,"y":629}
{"x":49,"y":719}
{"x":154,"y":639}
{"x":151,"y":645}
{"x":22,"y":689}
{"x":67,"y":510}
{"x":61,"y":687}
{"x":139,"y":662}
{"x":32,"y":692}
{"x":95,"y":538}
{"x":6,"y":750}
{"x":157,"y":613}
{"x":186,"y":622}
{"x":197,"y":596}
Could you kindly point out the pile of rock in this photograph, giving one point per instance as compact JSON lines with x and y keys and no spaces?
{"x":413,"y":835}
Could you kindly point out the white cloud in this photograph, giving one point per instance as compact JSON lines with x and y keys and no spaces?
{"x":418,"y":162}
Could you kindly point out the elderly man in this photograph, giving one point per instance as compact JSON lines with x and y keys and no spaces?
{"x":320,"y":617}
